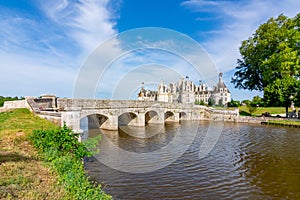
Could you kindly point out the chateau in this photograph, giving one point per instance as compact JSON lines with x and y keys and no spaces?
{"x":185,"y":91}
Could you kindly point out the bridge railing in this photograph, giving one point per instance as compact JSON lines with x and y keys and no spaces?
{"x":70,"y":104}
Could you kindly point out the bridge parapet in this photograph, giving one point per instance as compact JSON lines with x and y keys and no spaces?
{"x":75,"y":104}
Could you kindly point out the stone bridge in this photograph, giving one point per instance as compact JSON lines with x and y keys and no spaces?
{"x":110,"y":114}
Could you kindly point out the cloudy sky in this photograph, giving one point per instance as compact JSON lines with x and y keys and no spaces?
{"x":45,"y":45}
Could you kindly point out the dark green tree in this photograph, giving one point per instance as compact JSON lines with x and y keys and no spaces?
{"x":251,"y":108}
{"x":233,"y":103}
{"x":211,"y":102}
{"x":270,"y":61}
{"x":257,"y":101}
{"x":201,"y":102}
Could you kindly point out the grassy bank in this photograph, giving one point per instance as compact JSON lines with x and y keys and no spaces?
{"x":244,"y":111}
{"x":27,"y":174}
{"x":23,"y":174}
{"x":272,"y":110}
{"x":284,"y":123}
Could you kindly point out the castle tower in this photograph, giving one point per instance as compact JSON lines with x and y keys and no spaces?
{"x":221,"y":94}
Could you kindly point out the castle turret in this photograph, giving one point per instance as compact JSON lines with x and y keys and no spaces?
{"x":220,"y":77}
{"x":221,"y":94}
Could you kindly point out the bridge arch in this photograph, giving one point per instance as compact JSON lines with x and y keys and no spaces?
{"x":152,"y":117}
{"x":92,"y":121}
{"x":183,"y":116}
{"x":128,"y":119}
{"x":169,"y":116}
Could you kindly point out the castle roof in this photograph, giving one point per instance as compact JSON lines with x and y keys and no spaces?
{"x":220,"y":85}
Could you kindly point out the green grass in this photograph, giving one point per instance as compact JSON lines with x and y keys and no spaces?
{"x":260,"y":110}
{"x":61,"y":148}
{"x":284,"y":122}
{"x":23,"y":173}
{"x":26,"y":174}
{"x":22,"y":120}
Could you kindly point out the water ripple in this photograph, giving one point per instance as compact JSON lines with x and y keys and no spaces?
{"x":248,"y":162}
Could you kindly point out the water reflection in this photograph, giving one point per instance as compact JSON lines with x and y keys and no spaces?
{"x":248,"y":162}
{"x":142,"y":132}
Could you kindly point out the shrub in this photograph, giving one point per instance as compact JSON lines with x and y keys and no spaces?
{"x":65,"y":153}
{"x":62,"y":140}
{"x":201,"y":102}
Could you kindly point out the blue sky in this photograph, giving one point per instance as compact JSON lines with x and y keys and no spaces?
{"x":44,"y":44}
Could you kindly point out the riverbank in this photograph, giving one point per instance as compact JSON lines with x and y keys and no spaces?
{"x":269,"y":121}
{"x":26,"y":174}
{"x":284,"y":122}
{"x":23,"y":173}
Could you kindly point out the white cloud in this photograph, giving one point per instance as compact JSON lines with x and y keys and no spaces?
{"x":41,"y":53}
{"x":238,"y":20}
{"x":122,"y":77}
{"x":130,"y":51}
{"x":45,"y":49}
{"x":88,"y":22}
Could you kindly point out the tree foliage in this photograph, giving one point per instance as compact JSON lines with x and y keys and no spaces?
{"x":251,"y":108}
{"x":233,"y":103}
{"x":270,"y":61}
{"x":201,"y":102}
{"x":258,"y":101}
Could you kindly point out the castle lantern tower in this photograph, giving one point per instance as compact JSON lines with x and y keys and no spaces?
{"x":220,"y":77}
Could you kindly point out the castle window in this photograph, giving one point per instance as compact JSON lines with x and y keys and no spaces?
{"x":221,"y":90}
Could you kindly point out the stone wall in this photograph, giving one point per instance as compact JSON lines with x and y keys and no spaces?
{"x":252,"y":120}
{"x":33,"y":106}
{"x":44,"y":103}
{"x":14,"y":104}
{"x":52,"y":118}
{"x":225,"y":115}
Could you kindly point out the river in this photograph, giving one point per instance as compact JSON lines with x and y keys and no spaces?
{"x":247,"y":162}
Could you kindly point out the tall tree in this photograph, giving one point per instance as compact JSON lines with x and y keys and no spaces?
{"x":270,"y":61}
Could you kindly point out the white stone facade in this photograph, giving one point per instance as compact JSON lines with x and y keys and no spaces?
{"x":185,"y":91}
